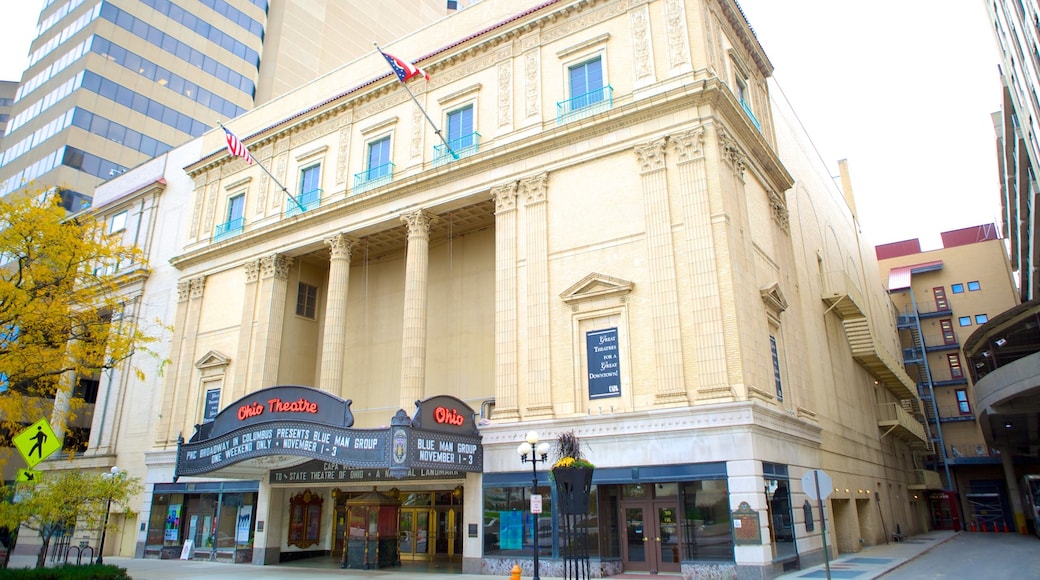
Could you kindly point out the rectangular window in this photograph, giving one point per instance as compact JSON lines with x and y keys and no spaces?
{"x":964,"y":321}
{"x":508,"y":521}
{"x":957,"y":288}
{"x":586,"y":83}
{"x":963,"y":407}
{"x":954,"y":360}
{"x":974,"y":286}
{"x":460,"y":128}
{"x":947,"y":331}
{"x":307,"y":301}
{"x":117,"y":223}
{"x":940,"y":298}
{"x":236,"y":209}
{"x":981,"y":319}
{"x":378,"y":158}
{"x":776,"y":368}
{"x":309,"y":179}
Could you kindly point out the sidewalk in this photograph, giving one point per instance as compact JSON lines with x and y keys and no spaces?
{"x":871,"y":562}
{"x":875,"y":561}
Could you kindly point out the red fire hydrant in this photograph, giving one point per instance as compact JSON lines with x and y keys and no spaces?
{"x":514,"y":574}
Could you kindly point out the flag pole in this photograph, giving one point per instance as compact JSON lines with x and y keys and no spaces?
{"x":436,"y":131}
{"x":275,"y":179}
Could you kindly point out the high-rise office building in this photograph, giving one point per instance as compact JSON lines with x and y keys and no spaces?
{"x":113,"y":83}
{"x":7,"y":92}
{"x":1018,"y":128}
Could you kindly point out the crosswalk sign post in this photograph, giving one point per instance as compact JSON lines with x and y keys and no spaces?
{"x":27,"y":475}
{"x":37,"y":442}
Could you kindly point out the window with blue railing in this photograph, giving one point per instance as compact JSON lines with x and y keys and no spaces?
{"x":462,"y":139}
{"x":309,"y":195}
{"x":236,"y":220}
{"x":379,"y":169}
{"x":588,"y":91}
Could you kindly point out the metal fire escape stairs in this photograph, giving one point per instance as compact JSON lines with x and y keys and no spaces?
{"x":915,"y":355}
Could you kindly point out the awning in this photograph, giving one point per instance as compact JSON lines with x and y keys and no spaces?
{"x":899,"y":277}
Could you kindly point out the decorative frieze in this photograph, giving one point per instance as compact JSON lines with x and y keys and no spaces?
{"x":532,"y":83}
{"x":642,"y":48}
{"x":317,"y":131}
{"x":211,"y":207}
{"x":678,"y":35}
{"x":341,"y":155}
{"x":505,"y":93}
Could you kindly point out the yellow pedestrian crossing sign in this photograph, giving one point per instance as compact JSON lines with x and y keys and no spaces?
{"x":27,"y":475}
{"x":37,"y":442}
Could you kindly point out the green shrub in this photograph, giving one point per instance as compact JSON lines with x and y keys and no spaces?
{"x":66,"y":572}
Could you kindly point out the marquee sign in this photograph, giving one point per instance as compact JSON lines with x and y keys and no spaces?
{"x":305,"y":422}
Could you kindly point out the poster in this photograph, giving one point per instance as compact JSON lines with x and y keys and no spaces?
{"x":173,"y":522}
{"x":511,"y":530}
{"x":603,"y":364}
{"x":245,"y":520}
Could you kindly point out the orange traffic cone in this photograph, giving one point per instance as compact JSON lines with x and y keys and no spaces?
{"x":1005,"y":527}
{"x":972,"y":525}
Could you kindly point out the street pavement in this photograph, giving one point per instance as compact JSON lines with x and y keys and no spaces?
{"x":872,"y":562}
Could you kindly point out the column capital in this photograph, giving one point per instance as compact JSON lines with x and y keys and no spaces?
{"x":252,"y":271}
{"x":651,"y":155}
{"x":183,"y":290}
{"x":419,"y":223}
{"x":341,"y":246}
{"x":504,"y":197}
{"x":534,"y":189}
{"x":275,"y":266}
{"x":198,"y":284}
{"x":732,"y":154}
{"x":688,"y":145}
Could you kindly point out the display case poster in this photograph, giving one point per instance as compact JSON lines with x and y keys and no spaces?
{"x":511,"y":530}
{"x":173,"y":522}
{"x":603,"y":364}
{"x":245,"y":519}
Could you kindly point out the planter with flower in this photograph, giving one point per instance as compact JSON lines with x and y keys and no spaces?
{"x":573,"y":475}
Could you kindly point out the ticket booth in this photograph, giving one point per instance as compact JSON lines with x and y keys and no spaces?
{"x":371,"y":535}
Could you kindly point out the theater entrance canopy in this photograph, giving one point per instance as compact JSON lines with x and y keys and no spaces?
{"x":284,"y":426}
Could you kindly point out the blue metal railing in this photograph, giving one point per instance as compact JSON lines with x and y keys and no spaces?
{"x":373,"y":177}
{"x":228,"y":229}
{"x":601,"y":99}
{"x":463,"y":146}
{"x":307,"y":202}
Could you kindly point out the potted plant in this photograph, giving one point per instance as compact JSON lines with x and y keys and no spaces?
{"x":572,"y":473}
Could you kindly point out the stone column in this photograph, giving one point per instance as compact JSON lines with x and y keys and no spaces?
{"x":506,"y":344}
{"x":177,"y":387}
{"x":274,"y":278}
{"x":1014,"y":490}
{"x":245,"y":333}
{"x":538,"y":392}
{"x":413,"y":338}
{"x":664,"y":292}
{"x":335,"y":334}
{"x":709,"y":339}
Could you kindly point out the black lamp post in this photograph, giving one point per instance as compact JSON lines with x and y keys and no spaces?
{"x":538,"y":453}
{"x":115,"y":472}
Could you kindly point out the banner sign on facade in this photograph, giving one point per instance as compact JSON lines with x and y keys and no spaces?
{"x":603,"y":364}
{"x":305,"y":422}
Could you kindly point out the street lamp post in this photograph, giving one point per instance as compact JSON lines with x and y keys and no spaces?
{"x":538,"y":453}
{"x":114,"y":472}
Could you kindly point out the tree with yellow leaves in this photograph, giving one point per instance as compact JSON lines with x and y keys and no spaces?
{"x":61,"y":310}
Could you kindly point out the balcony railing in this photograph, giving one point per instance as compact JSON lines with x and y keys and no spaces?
{"x":229,"y":229}
{"x":922,"y":479}
{"x":461,"y":147}
{"x":897,"y":421}
{"x":581,"y":106}
{"x":373,"y":177}
{"x":304,"y":202}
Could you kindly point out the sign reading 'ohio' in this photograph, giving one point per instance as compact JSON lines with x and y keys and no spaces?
{"x":306,"y":422}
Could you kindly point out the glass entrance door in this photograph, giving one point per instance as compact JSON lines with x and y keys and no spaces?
{"x":651,"y":537}
{"x":449,"y":534}
{"x":415,"y":533}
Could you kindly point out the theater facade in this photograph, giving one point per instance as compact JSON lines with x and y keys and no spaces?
{"x":607,"y":241}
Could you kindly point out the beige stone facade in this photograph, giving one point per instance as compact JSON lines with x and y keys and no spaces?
{"x":680,"y":214}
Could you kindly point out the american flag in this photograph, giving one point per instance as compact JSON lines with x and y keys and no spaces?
{"x":404,"y":69}
{"x":236,"y":148}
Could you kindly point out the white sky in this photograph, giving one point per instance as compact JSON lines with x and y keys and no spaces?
{"x":903,"y":89}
